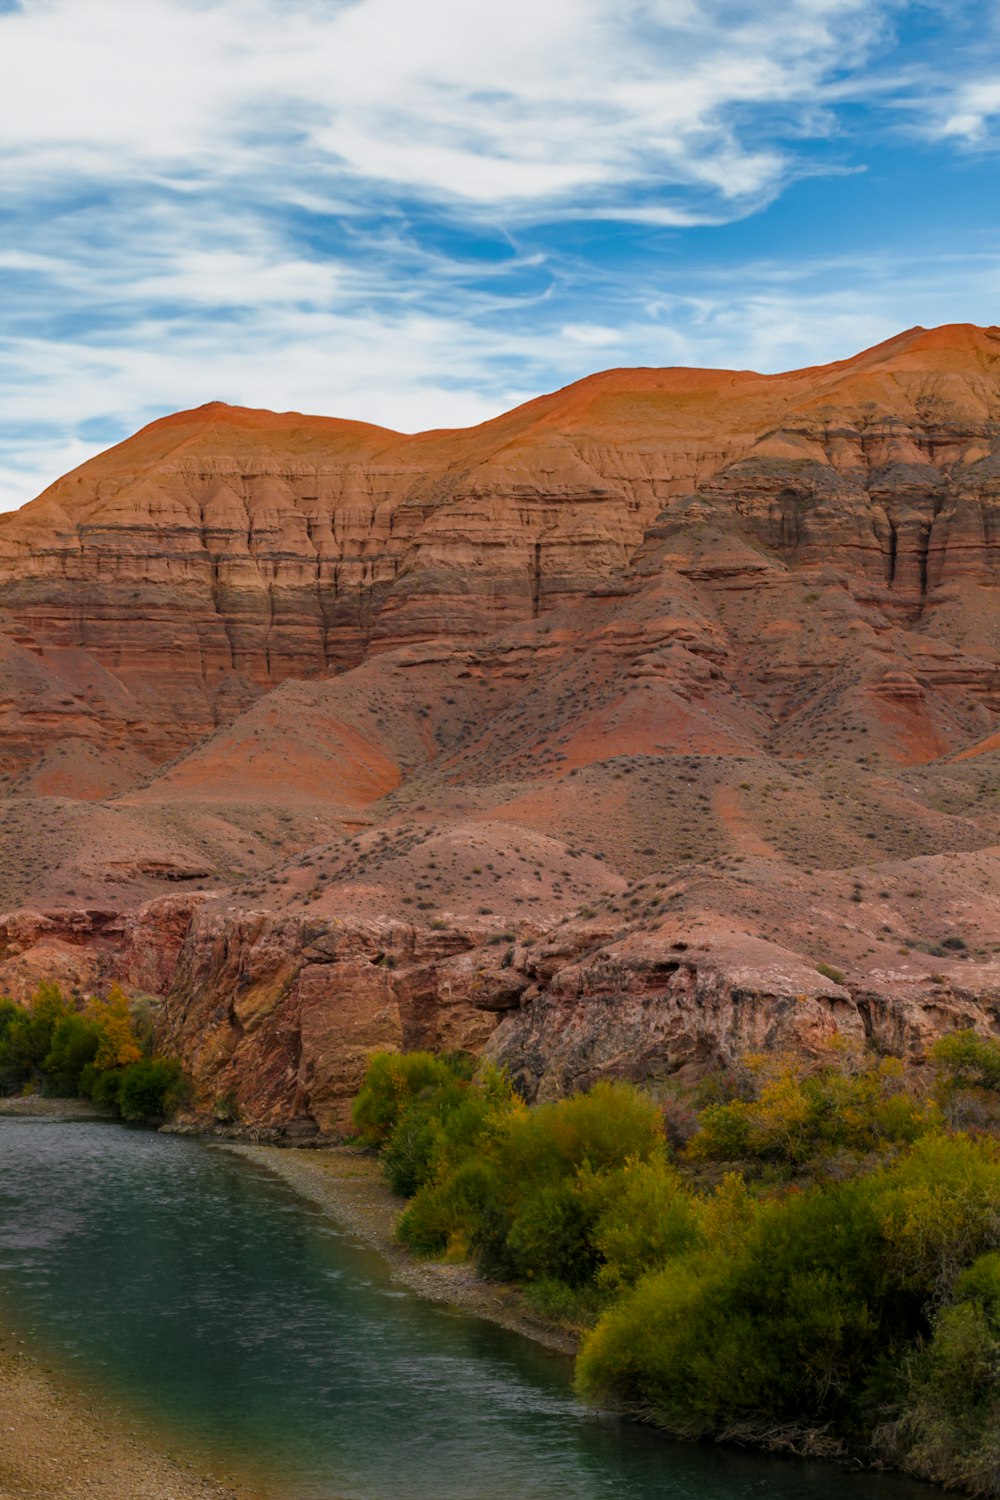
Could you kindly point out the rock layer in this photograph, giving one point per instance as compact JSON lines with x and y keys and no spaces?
{"x":154,"y":591}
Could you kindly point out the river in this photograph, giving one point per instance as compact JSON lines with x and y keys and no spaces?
{"x":203,"y":1295}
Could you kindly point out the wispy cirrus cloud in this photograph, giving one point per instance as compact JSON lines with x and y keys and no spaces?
{"x":484,"y":105}
{"x":418,"y":215}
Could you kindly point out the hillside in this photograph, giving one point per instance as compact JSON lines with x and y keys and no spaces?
{"x":584,"y":735}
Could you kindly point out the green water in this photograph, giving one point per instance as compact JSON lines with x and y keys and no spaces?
{"x":204,"y":1295}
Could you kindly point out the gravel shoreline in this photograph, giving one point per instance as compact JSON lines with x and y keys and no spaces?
{"x":58,"y":1444}
{"x":35,"y":1107}
{"x":348,"y":1185}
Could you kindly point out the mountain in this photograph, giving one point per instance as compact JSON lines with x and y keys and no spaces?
{"x":583,"y":735}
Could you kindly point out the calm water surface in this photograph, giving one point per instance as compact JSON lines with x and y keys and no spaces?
{"x":207,"y":1297}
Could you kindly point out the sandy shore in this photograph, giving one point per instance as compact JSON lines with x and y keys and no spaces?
{"x":57,"y":1444}
{"x":348,"y":1185}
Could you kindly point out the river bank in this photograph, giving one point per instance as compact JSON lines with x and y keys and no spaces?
{"x":60,"y":1443}
{"x":229,"y":1303}
{"x":348,"y":1185}
{"x":35,"y":1107}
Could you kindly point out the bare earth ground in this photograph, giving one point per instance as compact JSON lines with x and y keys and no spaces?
{"x":347,"y":1184}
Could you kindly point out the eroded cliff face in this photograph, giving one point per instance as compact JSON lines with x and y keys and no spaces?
{"x":339,"y":739}
{"x":84,"y":950}
{"x":277,"y":1017}
{"x":152,"y":593}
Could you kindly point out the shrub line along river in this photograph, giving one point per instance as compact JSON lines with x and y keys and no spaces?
{"x":198,"y":1291}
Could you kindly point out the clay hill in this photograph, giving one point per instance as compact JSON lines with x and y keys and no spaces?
{"x":654,"y":721}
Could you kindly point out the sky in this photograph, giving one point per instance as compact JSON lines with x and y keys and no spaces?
{"x":422,"y":214}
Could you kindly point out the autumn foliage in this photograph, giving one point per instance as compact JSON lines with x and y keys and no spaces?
{"x":102,"y":1050}
{"x":818,"y":1268}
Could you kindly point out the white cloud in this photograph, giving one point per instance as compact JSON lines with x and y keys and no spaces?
{"x":970,"y":111}
{"x":590,"y":334}
{"x":518,"y":103}
{"x":335,"y":205}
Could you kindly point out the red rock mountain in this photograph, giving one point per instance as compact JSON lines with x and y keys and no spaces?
{"x":584,"y":734}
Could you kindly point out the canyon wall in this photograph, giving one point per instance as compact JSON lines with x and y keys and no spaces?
{"x":219,"y":552}
{"x":335,"y":738}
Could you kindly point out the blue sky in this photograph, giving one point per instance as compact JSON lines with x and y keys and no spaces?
{"x":421,"y":214}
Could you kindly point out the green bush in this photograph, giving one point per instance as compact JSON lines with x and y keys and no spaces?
{"x":101,"y":1085}
{"x":792,"y":1117}
{"x":10,"y":1013}
{"x":148,"y":1090}
{"x":408,"y":1157}
{"x":520,"y":1190}
{"x":948,"y":1429}
{"x":784,"y":1332}
{"x":393,"y":1080}
{"x":551,"y":1163}
{"x":26,"y":1033}
{"x":649,"y":1216}
{"x":806,"y":1313}
{"x":551,"y":1235}
{"x":981,"y":1283}
{"x":97,"y":1053}
{"x":445,"y":1217}
{"x":964,"y":1059}
{"x":848,"y":1296}
{"x":968,"y":1080}
{"x":73,"y":1046}
{"x":600,"y":1130}
{"x":13,"y":1024}
{"x":441,"y":1125}
{"x":939,"y":1210}
{"x":574,"y":1308}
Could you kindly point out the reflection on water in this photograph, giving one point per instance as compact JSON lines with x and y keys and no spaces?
{"x":206,"y":1295}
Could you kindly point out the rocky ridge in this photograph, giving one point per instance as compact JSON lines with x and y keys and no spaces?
{"x":583,"y":736}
